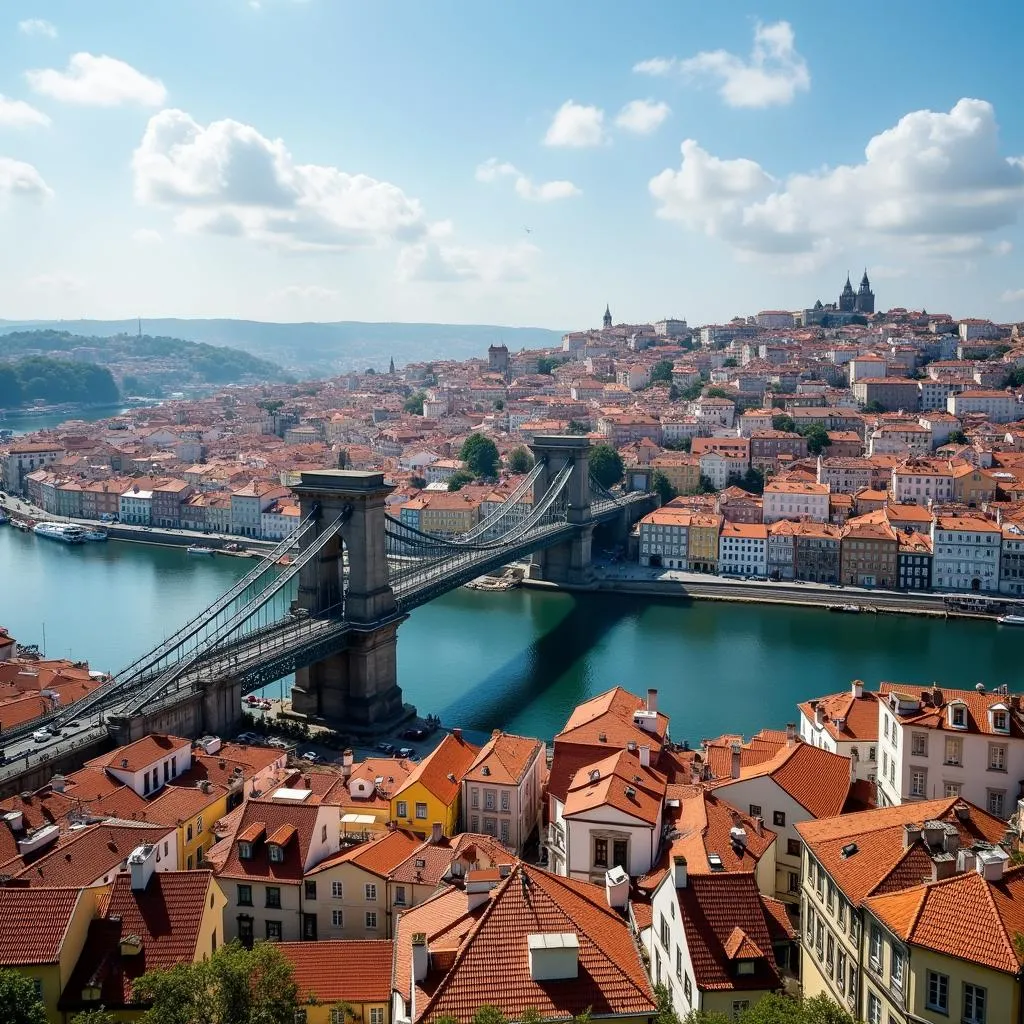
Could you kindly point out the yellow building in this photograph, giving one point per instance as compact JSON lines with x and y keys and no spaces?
{"x":42,"y":933}
{"x":702,"y":550}
{"x":360,"y":992}
{"x":366,"y":802}
{"x":193,"y":813}
{"x":972,"y":486}
{"x":431,"y":793}
{"x":441,"y":512}
{"x":681,"y":470}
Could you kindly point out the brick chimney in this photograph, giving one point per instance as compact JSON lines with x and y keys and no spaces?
{"x":645,"y":756}
{"x":652,"y":699}
{"x":734,"y":764}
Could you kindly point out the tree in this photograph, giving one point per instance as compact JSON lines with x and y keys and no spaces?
{"x":605,"y":465}
{"x":520,"y":460}
{"x":488,"y":1014}
{"x":874,"y":406}
{"x":417,"y":481}
{"x":271,"y":405}
{"x":731,"y":361}
{"x":674,"y":392}
{"x":664,"y":1014}
{"x":18,"y":999}
{"x":459,"y":480}
{"x":1014,"y":379}
{"x":662,"y":371}
{"x":817,"y":439}
{"x":820,"y":1009}
{"x":706,"y":486}
{"x":662,"y":484}
{"x":414,"y":403}
{"x":233,"y":986}
{"x":957,"y":437}
{"x":692,"y":392}
{"x":499,"y":404}
{"x":575,"y":427}
{"x":545,"y":364}
{"x":783,"y":422}
{"x":480,"y":454}
{"x":99,"y":1016}
{"x":717,"y":392}
{"x":752,"y":481}
{"x":684,"y":444}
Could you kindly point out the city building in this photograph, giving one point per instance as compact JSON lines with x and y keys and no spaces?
{"x":965,"y":553}
{"x":995,"y":406}
{"x":326,"y":995}
{"x":861,"y":301}
{"x":743,"y":549}
{"x":816,"y":552}
{"x":794,"y":499}
{"x":846,"y":724}
{"x":702,"y":542}
{"x":664,"y":538}
{"x":1011,"y":560}
{"x":914,"y":560}
{"x":869,"y":551}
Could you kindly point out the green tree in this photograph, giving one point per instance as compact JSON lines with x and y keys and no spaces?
{"x":480,"y":454}
{"x":708,"y":1017}
{"x":575,"y":427}
{"x":271,"y":405}
{"x":684,"y":444}
{"x":499,"y":404}
{"x":817,"y":438}
{"x":874,"y":406}
{"x":957,"y":437}
{"x":547,"y":363}
{"x":692,"y":392}
{"x":774,"y":1009}
{"x":99,"y":1016}
{"x":488,"y":1014}
{"x":418,"y":482}
{"x":19,"y":1003}
{"x":520,"y":460}
{"x":233,"y":986}
{"x":459,"y":480}
{"x":820,"y":1009}
{"x":783,"y":422}
{"x":662,"y":371}
{"x":1014,"y":379}
{"x":664,"y":1014}
{"x":605,"y":465}
{"x":717,"y":392}
{"x":752,"y":481}
{"x":706,"y":486}
{"x":414,"y":403}
{"x":674,"y":392}
{"x":731,"y":361}
{"x":663,"y":486}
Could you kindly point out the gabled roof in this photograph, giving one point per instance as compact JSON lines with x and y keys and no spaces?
{"x":618,"y":781}
{"x":134,"y":757}
{"x":33,"y":924}
{"x":431,"y":863}
{"x":859,"y":715}
{"x":934,"y":703}
{"x":366,"y":977}
{"x":611,"y":713}
{"x":379,"y":856}
{"x":505,"y":757}
{"x":440,"y":772}
{"x":260,"y":820}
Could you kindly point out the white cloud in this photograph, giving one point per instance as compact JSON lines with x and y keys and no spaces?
{"x":98,"y":82}
{"x":55,"y":284}
{"x":642,"y":116}
{"x":576,"y":125}
{"x":493,"y":170}
{"x":935,"y":182}
{"x":771,"y":76}
{"x":37,"y":27}
{"x":1013,"y":295}
{"x":227,"y":178}
{"x":431,"y":261}
{"x":21,"y":179}
{"x":305,"y":293}
{"x":19,"y":114}
{"x":147,"y":236}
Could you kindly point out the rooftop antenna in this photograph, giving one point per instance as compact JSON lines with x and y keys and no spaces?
{"x":140,"y":328}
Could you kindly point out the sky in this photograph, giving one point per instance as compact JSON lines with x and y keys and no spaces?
{"x":512,"y":163}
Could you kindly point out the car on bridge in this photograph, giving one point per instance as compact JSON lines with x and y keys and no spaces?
{"x":41,"y":736}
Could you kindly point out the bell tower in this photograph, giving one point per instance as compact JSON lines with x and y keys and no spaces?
{"x":607,"y":320}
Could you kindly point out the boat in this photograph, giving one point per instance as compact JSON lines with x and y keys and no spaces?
{"x":852,"y":609}
{"x":198,"y":550}
{"x":95,"y":534}
{"x":1011,"y":620}
{"x":69,"y":533}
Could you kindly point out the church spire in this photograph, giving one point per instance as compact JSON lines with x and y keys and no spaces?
{"x":607,"y":316}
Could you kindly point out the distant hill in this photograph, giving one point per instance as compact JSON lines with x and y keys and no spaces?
{"x":321,"y":347}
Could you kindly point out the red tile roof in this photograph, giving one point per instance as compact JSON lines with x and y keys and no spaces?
{"x":263,"y":818}
{"x":611,"y":714}
{"x":366,"y":977}
{"x":859,"y":715}
{"x":506,"y":758}
{"x":619,"y":781}
{"x":441,"y":771}
{"x":142,"y":753}
{"x":33,"y":923}
{"x":934,"y":703}
{"x":379,"y":856}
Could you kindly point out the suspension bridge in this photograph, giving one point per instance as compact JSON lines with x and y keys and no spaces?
{"x":359,"y":573}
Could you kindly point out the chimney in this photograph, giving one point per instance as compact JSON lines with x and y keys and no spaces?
{"x":734,"y":765}
{"x":142,"y":864}
{"x":679,"y":870}
{"x":631,"y":746}
{"x":966,"y":859}
{"x":478,"y":888}
{"x":652,"y":699}
{"x":457,"y":733}
{"x":943,"y":866}
{"x":962,"y":811}
{"x":347,"y":757}
{"x":436,"y":833}
{"x":819,"y":715}
{"x":57,"y":783}
{"x":645,"y":756}
{"x":911,"y":834}
{"x":857,"y":688}
{"x":790,"y":733}
{"x":990,"y":864}
{"x":420,"y":957}
{"x":616,"y":887}
{"x":758,"y":824}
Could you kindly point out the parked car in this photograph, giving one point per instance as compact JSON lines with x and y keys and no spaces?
{"x":415,"y":734}
{"x":246,"y":737}
{"x":277,"y":743}
{"x":252,"y":700}
{"x":40,"y":736}
{"x":311,"y":756}
{"x":385,"y":748}
{"x":406,"y":752}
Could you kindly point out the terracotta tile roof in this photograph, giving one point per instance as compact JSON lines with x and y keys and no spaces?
{"x":776,"y":915}
{"x":167,"y":916}
{"x":723,"y":916}
{"x":763,"y":746}
{"x":880,"y":862}
{"x":33,"y":923}
{"x":505,"y":757}
{"x":431,"y":863}
{"x":611,"y":713}
{"x":142,"y":753}
{"x":619,"y":781}
{"x":379,"y":855}
{"x":859,"y":715}
{"x":932,"y":713}
{"x":488,"y":959}
{"x":263,"y":818}
{"x":365,"y":979}
{"x":964,"y":916}
{"x":177,"y":804}
{"x":441,"y":771}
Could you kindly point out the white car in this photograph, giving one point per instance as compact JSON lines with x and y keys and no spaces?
{"x":41,"y":736}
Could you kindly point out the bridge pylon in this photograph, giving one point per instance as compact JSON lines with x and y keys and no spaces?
{"x":566,"y":564}
{"x":357,"y":688}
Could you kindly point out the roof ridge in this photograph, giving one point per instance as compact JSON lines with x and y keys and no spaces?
{"x":994,"y":907}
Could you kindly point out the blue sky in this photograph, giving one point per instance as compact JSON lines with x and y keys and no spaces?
{"x":506,"y":163}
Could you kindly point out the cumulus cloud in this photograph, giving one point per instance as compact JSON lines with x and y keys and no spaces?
{"x":22,"y":180}
{"x":576,"y":125}
{"x":37,"y":27}
{"x":430,"y":260}
{"x":642,"y":116}
{"x":935,"y":181}
{"x":147,"y":236}
{"x":19,"y":114}
{"x":493,"y":170}
{"x":98,"y":82}
{"x":771,"y":76}
{"x":228,"y":179}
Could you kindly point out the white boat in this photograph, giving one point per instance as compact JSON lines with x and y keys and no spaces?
{"x":1011,"y":620}
{"x":69,"y":533}
{"x":198,"y":550}
{"x":95,"y":535}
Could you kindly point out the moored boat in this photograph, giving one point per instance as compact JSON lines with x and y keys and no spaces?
{"x":1011,"y":620}
{"x":68,"y":533}
{"x":95,"y":534}
{"x":198,"y":550}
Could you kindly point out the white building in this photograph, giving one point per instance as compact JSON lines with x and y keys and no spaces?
{"x":136,"y":506}
{"x":714,"y":412}
{"x":845,"y":724}
{"x":743,"y":549}
{"x":664,"y":536}
{"x":950,"y":743}
{"x":248,"y":504}
{"x":922,"y":482}
{"x":279,"y":521}
{"x":675,"y":430}
{"x":791,"y":499}
{"x":754,"y":421}
{"x":997,"y":406}
{"x":935,"y":393}
{"x":721,"y":469}
{"x":965,"y":553}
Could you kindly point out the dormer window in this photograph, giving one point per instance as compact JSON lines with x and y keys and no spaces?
{"x":745,"y":966}
{"x":245,"y":851}
{"x":958,"y":716}
{"x":275,"y":853}
{"x":1000,"y":719}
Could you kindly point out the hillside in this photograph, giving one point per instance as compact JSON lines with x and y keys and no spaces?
{"x":54,"y":382}
{"x":321,"y":348}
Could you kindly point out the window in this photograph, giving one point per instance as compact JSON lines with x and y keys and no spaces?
{"x":779,"y":818}
{"x":401,"y":809}
{"x":871,"y":753}
{"x":793,"y":847}
{"x":323,"y":834}
{"x":311,"y":890}
{"x":489,"y":802}
{"x":338,"y":1015}
{"x":952,"y":789}
{"x":874,"y":1009}
{"x":505,"y":834}
{"x":399,"y":895}
{"x":600,"y":853}
{"x":338,"y":918}
{"x":188,"y":834}
{"x":841,"y":970}
{"x":421,"y":812}
{"x":830,"y":954}
{"x":919,"y":744}
{"x":819,"y":883}
{"x":996,"y":757}
{"x":794,"y":881}
{"x":663,"y":932}
{"x":954,"y":750}
{"x":245,"y":930}
{"x":273,"y":931}
{"x":376,"y":1015}
{"x":199,"y":825}
{"x":958,"y":716}
{"x":842,"y":913}
{"x":937,"y":992}
{"x":273,"y":896}
{"x":819,"y":936}
{"x":474,"y":798}
{"x":275,"y":853}
{"x":337,"y":890}
{"x":688,"y":988}
{"x":975,"y":1000}
{"x":810,"y":923}
{"x":996,"y":802}
{"x":876,"y":949}
{"x":1000,"y":721}
{"x":371,"y":919}
{"x":918,"y":782}
{"x":679,"y":963}
{"x":37,"y":987}
{"x":245,"y":895}
{"x":831,"y":896}
{"x":371,"y":893}
{"x":620,"y":852}
{"x":852,"y":994}
{"x":505,"y":800}
{"x":245,"y":851}
{"x":755,"y":810}
{"x":188,"y":863}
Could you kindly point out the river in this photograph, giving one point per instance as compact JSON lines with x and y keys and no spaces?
{"x":521,"y":660}
{"x":21,"y":423}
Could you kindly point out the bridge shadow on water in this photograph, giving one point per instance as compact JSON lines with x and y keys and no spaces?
{"x":563,"y":652}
